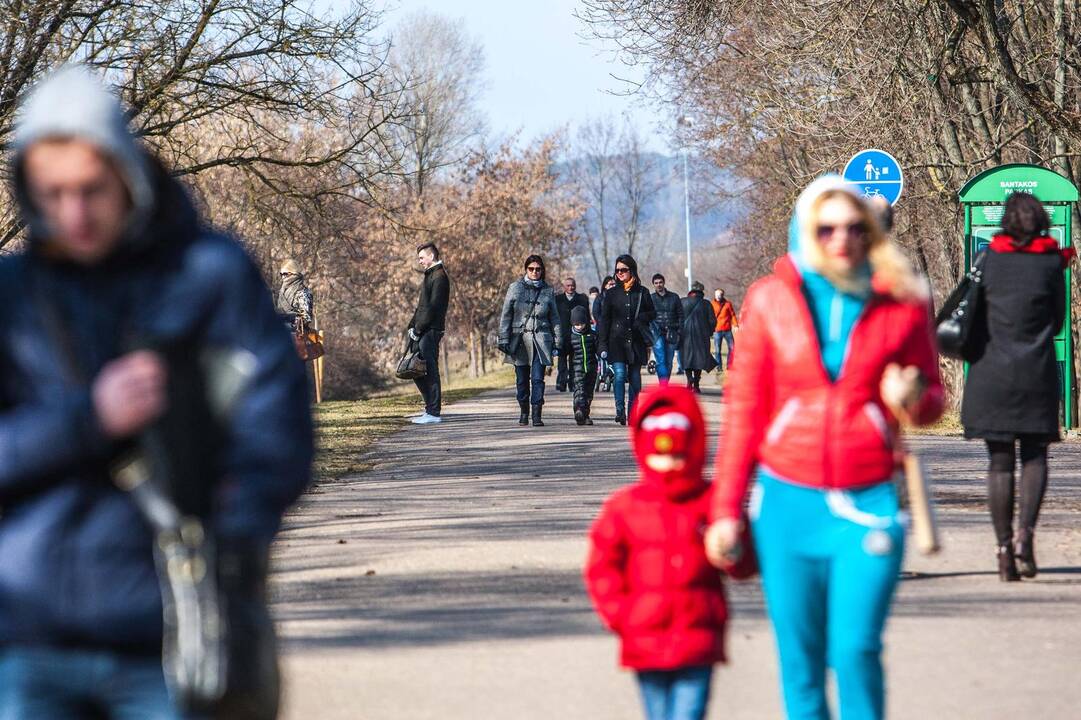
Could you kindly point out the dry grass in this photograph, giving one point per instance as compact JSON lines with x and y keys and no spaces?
{"x":345,"y":430}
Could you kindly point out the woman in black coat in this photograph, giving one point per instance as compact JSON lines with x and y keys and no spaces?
{"x":624,"y":337}
{"x":698,"y":324}
{"x":1012,"y":390}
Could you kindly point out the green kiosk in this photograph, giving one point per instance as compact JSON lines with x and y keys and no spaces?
{"x":983,"y":199}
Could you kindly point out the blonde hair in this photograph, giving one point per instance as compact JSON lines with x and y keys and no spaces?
{"x":888,"y":264}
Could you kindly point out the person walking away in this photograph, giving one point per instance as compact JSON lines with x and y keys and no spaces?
{"x":698,"y":326}
{"x":667,"y":327}
{"x":529,"y":337}
{"x":582,"y":352}
{"x":566,"y":301}
{"x":116,"y":257}
{"x":726,"y":323}
{"x":427,"y":327}
{"x":625,"y":337}
{"x":836,"y":345}
{"x":647,"y":572}
{"x":1012,"y":392}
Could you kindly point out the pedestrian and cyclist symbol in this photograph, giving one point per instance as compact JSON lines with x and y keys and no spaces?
{"x":875,"y":173}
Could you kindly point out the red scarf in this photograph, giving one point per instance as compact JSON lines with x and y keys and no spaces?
{"x":1039,"y":246}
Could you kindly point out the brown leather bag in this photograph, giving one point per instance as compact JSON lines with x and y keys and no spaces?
{"x":308,"y":344}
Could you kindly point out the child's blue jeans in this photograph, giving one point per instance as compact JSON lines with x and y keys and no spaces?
{"x":675,"y":694}
{"x":829,"y":561}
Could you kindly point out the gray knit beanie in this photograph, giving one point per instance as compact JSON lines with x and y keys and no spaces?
{"x":73,"y":103}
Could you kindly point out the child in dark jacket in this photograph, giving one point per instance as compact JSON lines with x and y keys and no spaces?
{"x":583,"y":351}
{"x":647,"y":571}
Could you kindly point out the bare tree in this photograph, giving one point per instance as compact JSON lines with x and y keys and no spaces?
{"x":617,"y":179}
{"x":441,"y":68}
{"x":253,"y":69}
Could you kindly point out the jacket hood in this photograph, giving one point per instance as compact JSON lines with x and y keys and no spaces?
{"x":801,"y":233}
{"x":667,"y":419}
{"x":886,"y":272}
{"x":72,"y":103}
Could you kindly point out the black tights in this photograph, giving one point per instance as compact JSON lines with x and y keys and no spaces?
{"x":693,"y":377}
{"x":1000,"y":486}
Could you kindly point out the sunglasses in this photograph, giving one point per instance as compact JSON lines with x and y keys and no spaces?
{"x":533,"y":268}
{"x":621,"y":271}
{"x":825,"y":232}
{"x":286,"y":274}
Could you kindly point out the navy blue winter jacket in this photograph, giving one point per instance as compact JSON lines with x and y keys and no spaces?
{"x":76,"y":567}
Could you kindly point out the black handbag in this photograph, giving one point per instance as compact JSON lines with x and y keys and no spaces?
{"x":956,"y":321}
{"x":412,"y":365}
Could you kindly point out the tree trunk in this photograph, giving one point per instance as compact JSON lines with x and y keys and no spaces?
{"x":446,"y":365}
{"x":473,"y":364}
{"x":483,"y":353}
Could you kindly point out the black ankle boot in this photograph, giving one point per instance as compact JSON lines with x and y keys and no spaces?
{"x":537,"y":422}
{"x":580,"y":416}
{"x":1023,"y":550}
{"x":523,"y":417}
{"x":1007,"y":569}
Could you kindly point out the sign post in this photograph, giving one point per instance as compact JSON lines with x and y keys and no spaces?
{"x":875,"y":173}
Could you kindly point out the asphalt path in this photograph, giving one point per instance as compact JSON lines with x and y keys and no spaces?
{"x":446,"y":583}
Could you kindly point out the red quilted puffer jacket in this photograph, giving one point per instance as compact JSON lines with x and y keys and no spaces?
{"x":647,"y":572}
{"x":784,"y":412}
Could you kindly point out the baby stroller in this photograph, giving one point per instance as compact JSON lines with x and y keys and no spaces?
{"x":605,"y":376}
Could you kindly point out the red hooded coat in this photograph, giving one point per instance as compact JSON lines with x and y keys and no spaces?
{"x":647,"y":572}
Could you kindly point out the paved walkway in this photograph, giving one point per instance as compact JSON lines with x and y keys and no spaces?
{"x":445,"y":583}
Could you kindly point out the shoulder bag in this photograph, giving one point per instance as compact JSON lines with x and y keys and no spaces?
{"x":412,"y":365}
{"x":955,"y":321}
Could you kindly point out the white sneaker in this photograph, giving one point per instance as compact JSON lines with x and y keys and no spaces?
{"x":412,"y":415}
{"x":427,"y":419}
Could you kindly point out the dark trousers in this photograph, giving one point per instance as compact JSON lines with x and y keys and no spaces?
{"x":564,"y":376}
{"x":583,"y":391}
{"x":430,"y":386}
{"x":530,"y":381}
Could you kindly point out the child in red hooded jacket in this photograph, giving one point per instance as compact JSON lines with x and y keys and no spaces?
{"x":647,"y":571}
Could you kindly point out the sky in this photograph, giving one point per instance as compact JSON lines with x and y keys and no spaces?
{"x":541,"y":75}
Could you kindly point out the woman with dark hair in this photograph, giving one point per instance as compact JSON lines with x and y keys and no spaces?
{"x":1012,"y":390}
{"x":529,"y":337}
{"x":623,"y":334}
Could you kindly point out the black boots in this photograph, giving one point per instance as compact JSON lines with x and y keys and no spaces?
{"x":1026,"y":558}
{"x":537,"y":422}
{"x":1007,"y":569}
{"x":580,"y":416}
{"x":523,"y":417}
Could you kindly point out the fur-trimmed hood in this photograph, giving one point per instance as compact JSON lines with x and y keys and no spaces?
{"x":887,"y":272}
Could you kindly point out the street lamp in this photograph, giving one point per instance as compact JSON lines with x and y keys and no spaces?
{"x":686,"y":121}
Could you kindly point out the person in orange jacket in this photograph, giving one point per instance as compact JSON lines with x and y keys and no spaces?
{"x":647,"y":571}
{"x":726,"y":322}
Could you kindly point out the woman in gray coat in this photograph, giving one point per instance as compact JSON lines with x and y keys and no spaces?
{"x":528,"y":336}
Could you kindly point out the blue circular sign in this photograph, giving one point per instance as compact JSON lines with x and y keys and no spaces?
{"x":875,"y":172}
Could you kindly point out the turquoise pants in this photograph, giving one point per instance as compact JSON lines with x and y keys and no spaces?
{"x":830,"y":561}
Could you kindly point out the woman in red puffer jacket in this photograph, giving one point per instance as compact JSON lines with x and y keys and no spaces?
{"x":647,"y":571}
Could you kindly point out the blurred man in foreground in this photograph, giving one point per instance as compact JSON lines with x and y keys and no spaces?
{"x":118,"y":291}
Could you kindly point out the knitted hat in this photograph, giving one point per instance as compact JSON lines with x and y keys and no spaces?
{"x":579,"y":316}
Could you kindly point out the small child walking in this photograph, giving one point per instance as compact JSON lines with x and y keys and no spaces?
{"x":584,"y":358}
{"x":647,"y":571}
